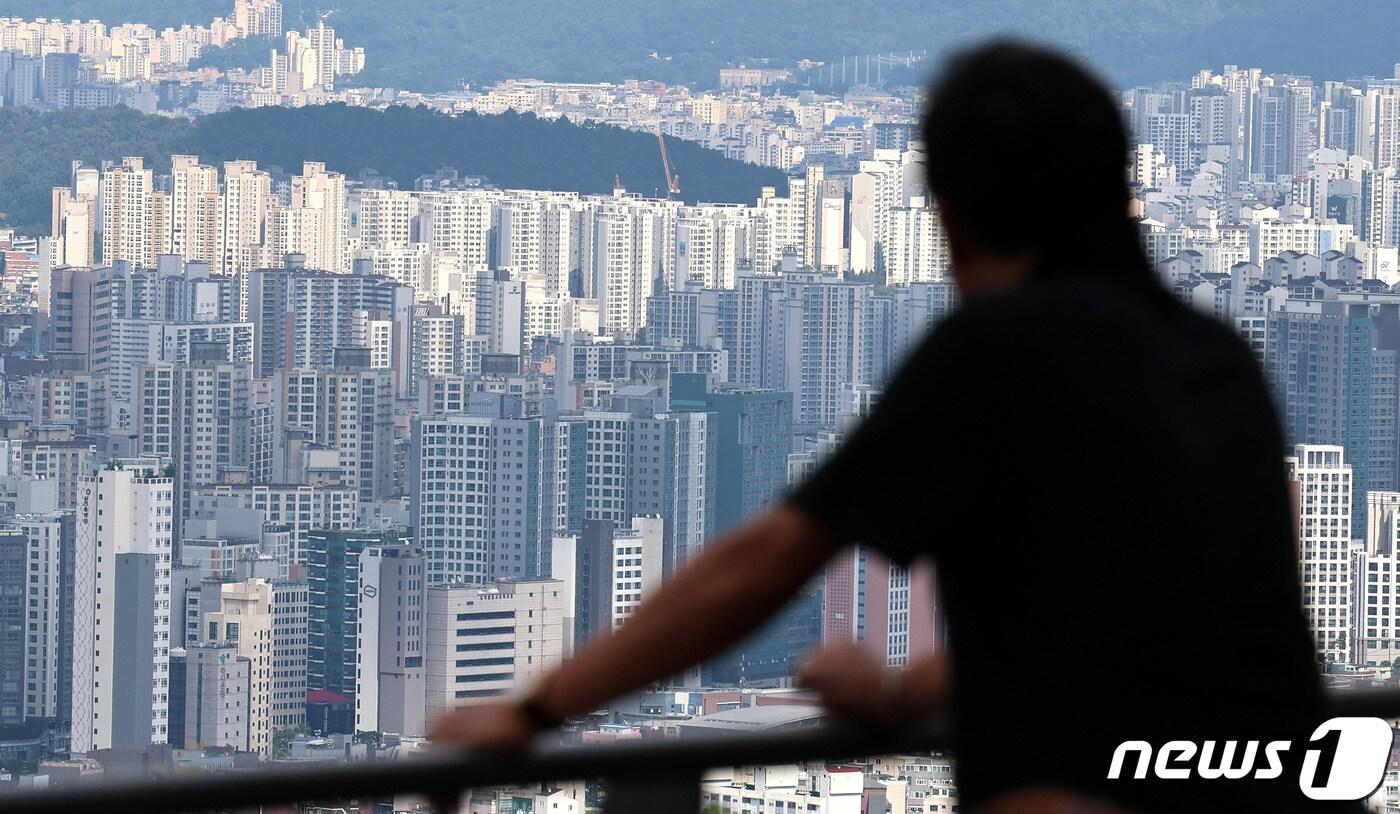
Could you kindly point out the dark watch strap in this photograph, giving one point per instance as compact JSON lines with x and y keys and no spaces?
{"x":539,"y":718}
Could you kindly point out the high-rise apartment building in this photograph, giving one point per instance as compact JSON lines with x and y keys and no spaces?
{"x":607,"y":572}
{"x":193,"y":232}
{"x":1335,"y":370}
{"x":1374,"y":638}
{"x":64,"y":462}
{"x":131,"y":219}
{"x":753,"y":436}
{"x":218,"y":686}
{"x":301,"y":508}
{"x":349,"y":409}
{"x":74,"y":224}
{"x":813,"y":335}
{"x":459,"y":224}
{"x":618,"y":464}
{"x":121,"y":610}
{"x":198,"y":416}
{"x":486,"y":641}
{"x":1323,"y":481}
{"x":80,"y":315}
{"x":14,"y":557}
{"x":630,"y":247}
{"x":304,"y":317}
{"x":915,"y":249}
{"x":333,"y":600}
{"x":258,"y":18}
{"x":240,"y":614}
{"x":289,"y":641}
{"x":316,"y":224}
{"x":882,"y":186}
{"x":48,"y":622}
{"x":475,"y":486}
{"x":389,"y":630}
{"x":243,"y":222}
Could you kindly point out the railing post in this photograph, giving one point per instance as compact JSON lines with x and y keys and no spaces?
{"x":660,"y":793}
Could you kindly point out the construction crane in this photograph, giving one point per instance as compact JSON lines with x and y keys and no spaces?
{"x":673,"y":181}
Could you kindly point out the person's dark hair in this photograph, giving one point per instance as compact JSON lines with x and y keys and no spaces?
{"x":1028,"y":152}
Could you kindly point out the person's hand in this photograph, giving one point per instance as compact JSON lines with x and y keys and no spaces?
{"x":499,"y":727}
{"x":851,"y":682}
{"x":502,"y":726}
{"x":1046,"y":801}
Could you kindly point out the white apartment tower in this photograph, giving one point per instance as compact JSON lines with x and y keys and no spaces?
{"x":193,"y":232}
{"x":629,"y":249}
{"x":74,"y":227}
{"x":486,"y":641}
{"x":915,"y":248}
{"x":438,"y":344}
{"x":319,"y":227}
{"x":349,"y":409}
{"x":289,"y":620}
{"x":875,"y":191}
{"x":46,"y":665}
{"x":198,"y":416}
{"x":1375,"y":585}
{"x":1323,"y":481}
{"x":385,"y":218}
{"x":779,"y":226}
{"x":519,"y":229}
{"x":412,"y":264}
{"x":243,"y":619}
{"x":459,"y":224}
{"x":129,"y":224}
{"x":243,"y":214}
{"x":638,"y":557}
{"x":389,"y":633}
{"x":258,"y":18}
{"x":121,"y":610}
{"x":475,"y":496}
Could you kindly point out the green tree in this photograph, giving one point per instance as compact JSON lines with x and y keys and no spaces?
{"x":282,"y":740}
{"x":243,"y":55}
{"x":401,"y":143}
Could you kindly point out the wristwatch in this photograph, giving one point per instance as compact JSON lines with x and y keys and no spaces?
{"x":536,"y":713}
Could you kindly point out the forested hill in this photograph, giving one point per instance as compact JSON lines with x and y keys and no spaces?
{"x":436,"y":44}
{"x":36,"y":151}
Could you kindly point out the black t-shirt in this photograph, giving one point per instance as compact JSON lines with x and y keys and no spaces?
{"x":1098,"y":473}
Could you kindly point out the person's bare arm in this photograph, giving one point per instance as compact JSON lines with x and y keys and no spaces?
{"x":926,"y":685}
{"x":727,"y":592}
{"x":855,"y":685}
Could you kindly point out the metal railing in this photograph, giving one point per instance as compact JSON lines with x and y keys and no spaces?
{"x":640,"y":776}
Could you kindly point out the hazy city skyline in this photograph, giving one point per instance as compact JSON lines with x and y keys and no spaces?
{"x":306,"y":439}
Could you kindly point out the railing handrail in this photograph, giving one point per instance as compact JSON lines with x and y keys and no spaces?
{"x":444,"y":775}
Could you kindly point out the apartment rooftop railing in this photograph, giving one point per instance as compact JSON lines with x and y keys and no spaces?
{"x":641,"y":777}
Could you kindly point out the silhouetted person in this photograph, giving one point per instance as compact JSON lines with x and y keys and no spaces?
{"x":1096,"y":470}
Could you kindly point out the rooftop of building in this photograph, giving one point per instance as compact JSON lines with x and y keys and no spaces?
{"x":756,"y":719}
{"x":327,"y":697}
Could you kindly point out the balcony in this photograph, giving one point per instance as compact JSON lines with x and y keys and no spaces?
{"x":639,"y":777}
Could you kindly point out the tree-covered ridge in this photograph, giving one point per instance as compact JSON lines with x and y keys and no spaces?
{"x":37,"y":149}
{"x":244,"y":54}
{"x":434,"y":44}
